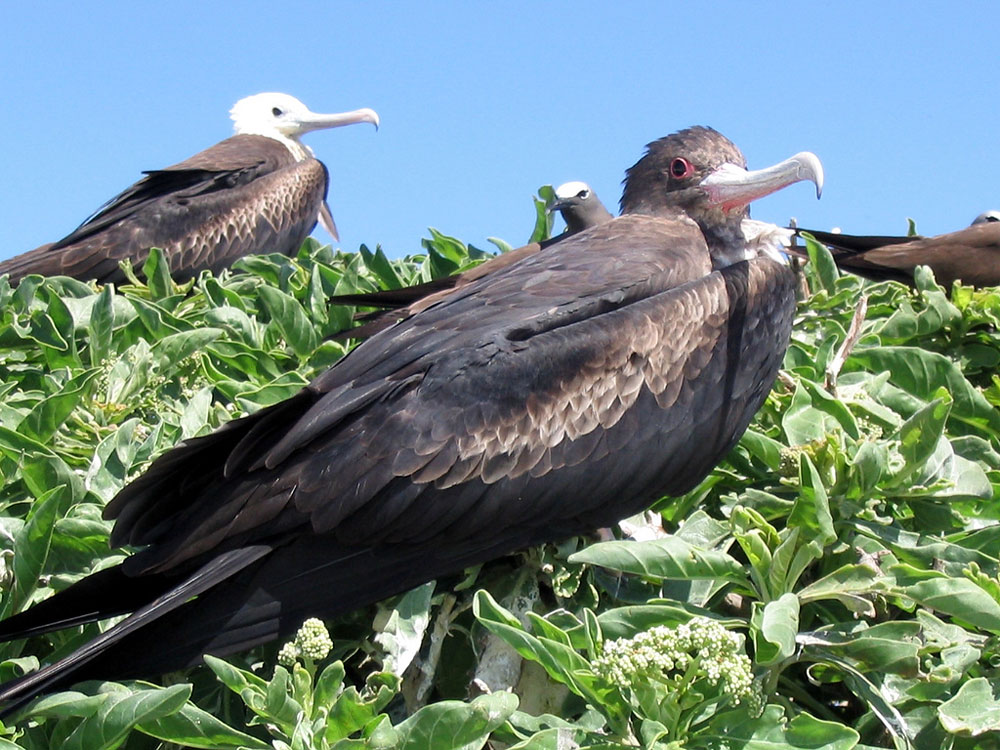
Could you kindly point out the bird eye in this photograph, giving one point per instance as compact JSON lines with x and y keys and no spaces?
{"x":681,"y":168}
{"x":583,"y":194}
{"x":276,"y":112}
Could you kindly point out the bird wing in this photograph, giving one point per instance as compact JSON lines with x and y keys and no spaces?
{"x":242,"y":195}
{"x":513,"y":378}
{"x":406,"y":301}
{"x":235,"y":161}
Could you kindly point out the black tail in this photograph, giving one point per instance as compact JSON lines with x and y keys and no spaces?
{"x":244,"y":598}
{"x":854,"y":243}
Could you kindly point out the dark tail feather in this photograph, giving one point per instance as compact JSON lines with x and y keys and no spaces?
{"x":106,"y":593}
{"x":853,"y":243}
{"x":265,"y":594}
{"x":84,"y":663}
{"x":395,"y":298}
{"x":374,"y":322}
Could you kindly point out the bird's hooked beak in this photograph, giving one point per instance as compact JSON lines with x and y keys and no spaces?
{"x":314,"y":121}
{"x":731,"y":186}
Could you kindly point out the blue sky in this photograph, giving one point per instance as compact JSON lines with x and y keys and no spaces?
{"x":482,"y":102}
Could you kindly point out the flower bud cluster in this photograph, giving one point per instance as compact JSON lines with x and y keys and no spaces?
{"x":311,"y":642}
{"x":666,"y":654}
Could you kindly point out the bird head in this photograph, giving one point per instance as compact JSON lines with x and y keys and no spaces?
{"x":700,"y":173}
{"x":571,"y":194}
{"x":579,"y":205}
{"x":283,"y":117}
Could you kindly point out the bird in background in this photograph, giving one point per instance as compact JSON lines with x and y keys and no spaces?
{"x":260,"y":190}
{"x":576,"y":202}
{"x":579,"y":207}
{"x":970,"y":255}
{"x":557,"y":395}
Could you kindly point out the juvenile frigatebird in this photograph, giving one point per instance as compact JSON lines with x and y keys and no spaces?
{"x":576,"y":202}
{"x":260,"y":190}
{"x":970,"y":255}
{"x":555,"y":396}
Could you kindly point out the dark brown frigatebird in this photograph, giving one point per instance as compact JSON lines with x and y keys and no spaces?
{"x":260,"y":190}
{"x":576,"y":202}
{"x":970,"y":255}
{"x":552,"y":397}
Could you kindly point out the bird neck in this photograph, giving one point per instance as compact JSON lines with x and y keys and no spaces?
{"x":726,"y":242}
{"x":299,"y":150}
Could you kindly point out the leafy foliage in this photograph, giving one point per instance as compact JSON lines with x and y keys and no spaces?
{"x":849,"y":544}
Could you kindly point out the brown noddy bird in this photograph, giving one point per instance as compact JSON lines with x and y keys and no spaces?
{"x":970,"y":255}
{"x":560,"y":394}
{"x":579,"y":206}
{"x":260,"y":190}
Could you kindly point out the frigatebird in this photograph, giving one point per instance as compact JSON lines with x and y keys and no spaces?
{"x":260,"y":190}
{"x":552,"y":397}
{"x":970,"y":255}
{"x":576,"y":202}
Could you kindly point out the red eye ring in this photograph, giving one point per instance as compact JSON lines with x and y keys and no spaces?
{"x":681,"y":168}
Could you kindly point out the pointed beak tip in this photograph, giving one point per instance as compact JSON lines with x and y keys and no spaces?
{"x":811,"y":168}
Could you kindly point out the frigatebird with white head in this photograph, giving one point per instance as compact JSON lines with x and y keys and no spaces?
{"x":552,"y":397}
{"x":261,"y":190}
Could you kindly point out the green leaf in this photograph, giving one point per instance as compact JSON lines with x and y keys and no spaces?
{"x":920,"y":373}
{"x":352,"y":711}
{"x":823,"y":268}
{"x":172,"y":349}
{"x":455,"y":725}
{"x":403,"y":633}
{"x":379,"y":265}
{"x":771,"y":731}
{"x":972,"y":711}
{"x":120,"y":711}
{"x":763,"y":448}
{"x":101,"y":325}
{"x":920,"y":434}
{"x":848,"y":584}
{"x":291,"y":320}
{"x":543,"y":218}
{"x":670,"y":557}
{"x":156,"y":269}
{"x":811,"y":511}
{"x":958,"y":597}
{"x":49,"y":415}
{"x":774,"y":628}
{"x":31,"y":547}
{"x":561,"y":662}
{"x":889,"y":647}
{"x":193,"y":727}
